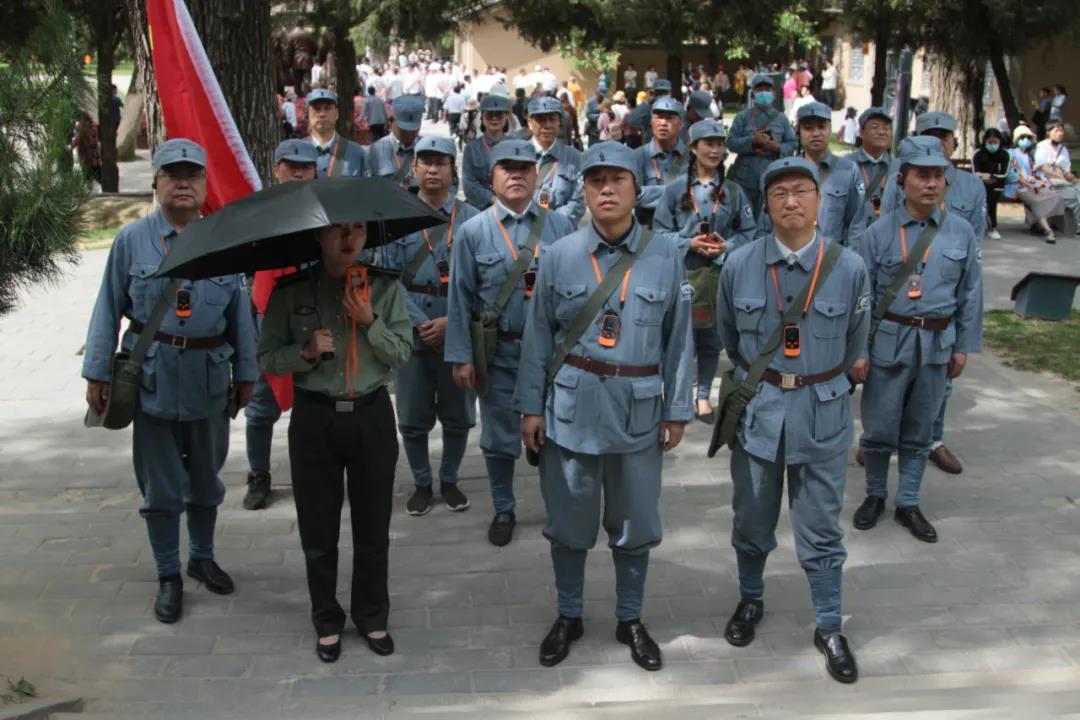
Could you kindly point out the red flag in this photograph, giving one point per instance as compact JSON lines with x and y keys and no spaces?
{"x":194,"y":108}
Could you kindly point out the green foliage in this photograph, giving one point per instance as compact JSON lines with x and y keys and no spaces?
{"x":793,"y":26}
{"x":41,"y":192}
{"x":18,"y":692}
{"x":585,"y":58}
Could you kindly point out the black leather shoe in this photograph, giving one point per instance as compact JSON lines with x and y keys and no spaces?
{"x":210,"y":574}
{"x":913,"y":519}
{"x":258,"y":492}
{"x":868,"y":513}
{"x":556,"y":644}
{"x":643,"y":649}
{"x":169,"y":603}
{"x":501,"y":531}
{"x":328,"y":653}
{"x":381,"y":646}
{"x":740,"y":628}
{"x":839,"y":660}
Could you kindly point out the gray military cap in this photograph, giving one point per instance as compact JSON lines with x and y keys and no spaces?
{"x":701,"y":103}
{"x":408,"y":112}
{"x":513,"y":150}
{"x":662,"y":85}
{"x":762,"y":79}
{"x":434,"y":144}
{"x":814,"y":110}
{"x":789,"y":166}
{"x":871,"y":113}
{"x":935,"y":120}
{"x":544,"y":105}
{"x":296,"y":151}
{"x":611,"y":154}
{"x":707,"y":129}
{"x":921,"y":151}
{"x":180,"y":150}
{"x":494,"y":103}
{"x":322,"y":94}
{"x":668,"y":105}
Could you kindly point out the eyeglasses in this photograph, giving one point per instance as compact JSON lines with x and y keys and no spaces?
{"x":782,"y":194}
{"x":183,"y":174}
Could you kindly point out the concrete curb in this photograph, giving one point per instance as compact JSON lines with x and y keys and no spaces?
{"x":39,"y":709}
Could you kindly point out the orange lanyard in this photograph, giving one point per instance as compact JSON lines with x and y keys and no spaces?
{"x":509,"y":243}
{"x":866,"y":176}
{"x":549,"y":179}
{"x":352,"y":350}
{"x":164,"y":247}
{"x":333,"y":159}
{"x":903,"y":247}
{"x":449,"y":233}
{"x":600,"y":279}
{"x":813,"y":281}
{"x":715,"y":205}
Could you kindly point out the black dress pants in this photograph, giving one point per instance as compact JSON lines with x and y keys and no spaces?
{"x":333,"y":453}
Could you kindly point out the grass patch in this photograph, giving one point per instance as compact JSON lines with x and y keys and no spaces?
{"x":18,"y":692}
{"x":97,"y":239}
{"x":1035,"y":345}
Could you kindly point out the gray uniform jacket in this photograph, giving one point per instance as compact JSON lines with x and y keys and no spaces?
{"x":951,"y":287}
{"x":476,"y":172}
{"x":749,"y":166}
{"x":562,"y":181}
{"x":815,"y":419}
{"x":657,"y":168}
{"x":353,"y":162}
{"x":585,"y":412}
{"x":872,"y":170}
{"x":176,"y":384}
{"x":481,"y":259}
{"x":733,"y":218}
{"x":399,"y":254}
{"x":386,"y":155}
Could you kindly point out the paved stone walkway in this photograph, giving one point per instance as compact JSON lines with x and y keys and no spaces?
{"x":984,"y":624}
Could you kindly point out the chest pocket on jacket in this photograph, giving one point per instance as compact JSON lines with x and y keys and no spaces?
{"x":143,"y":290}
{"x":218,"y":290}
{"x":828,"y":319}
{"x":491,"y":269}
{"x":650,"y":305}
{"x":952,"y":263}
{"x":887,"y":268}
{"x":748,"y":314}
{"x":569,"y":299}
{"x":833,"y":205}
{"x":832,"y":409}
{"x":963,"y":208}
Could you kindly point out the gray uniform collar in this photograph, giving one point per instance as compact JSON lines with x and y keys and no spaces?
{"x":502,"y":212}
{"x":805,"y":258}
{"x":861,"y":156}
{"x":905,"y":217}
{"x":630,"y":242}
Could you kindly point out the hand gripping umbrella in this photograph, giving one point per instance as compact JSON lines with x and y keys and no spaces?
{"x":273,"y":227}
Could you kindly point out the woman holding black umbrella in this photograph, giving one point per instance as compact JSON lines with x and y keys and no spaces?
{"x":340,"y":328}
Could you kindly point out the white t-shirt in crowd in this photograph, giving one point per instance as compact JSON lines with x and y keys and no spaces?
{"x":630,"y":78}
{"x":828,"y":78}
{"x":650,"y":78}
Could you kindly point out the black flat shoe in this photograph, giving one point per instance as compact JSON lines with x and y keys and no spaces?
{"x":210,"y":574}
{"x":839,"y":660}
{"x":169,"y":603}
{"x":328,"y":653}
{"x":381,"y":646}
{"x":501,"y":531}
{"x":868,"y":513}
{"x":913,"y":519}
{"x":740,"y":628}
{"x":556,"y":644}
{"x":643,"y":649}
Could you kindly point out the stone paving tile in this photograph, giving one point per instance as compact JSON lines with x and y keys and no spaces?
{"x":999,"y":594}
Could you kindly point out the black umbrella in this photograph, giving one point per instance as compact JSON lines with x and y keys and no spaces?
{"x":273,"y":227}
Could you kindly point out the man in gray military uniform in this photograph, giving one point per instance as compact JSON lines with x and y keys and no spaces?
{"x":392,"y":155}
{"x":293,"y":160}
{"x":337,"y":155}
{"x":841,"y":216}
{"x":965,"y":197}
{"x":873,"y":158}
{"x":799,"y":421}
{"x":485,"y":249}
{"x":925,"y":336}
{"x":425,"y":384}
{"x":641,"y":115}
{"x":203,"y":355}
{"x":662,"y":159}
{"x":559,"y":186}
{"x":620,"y":399}
{"x":759,"y":134}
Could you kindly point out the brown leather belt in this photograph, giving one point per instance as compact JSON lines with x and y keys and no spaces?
{"x":433,"y":290}
{"x":791,"y":381}
{"x":507,"y":335}
{"x":180,"y":341}
{"x":923,"y":323}
{"x":611,"y":369}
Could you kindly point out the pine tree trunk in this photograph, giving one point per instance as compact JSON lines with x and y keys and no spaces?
{"x":881,"y":58}
{"x":345,"y":71}
{"x":105,"y":33}
{"x":1013,"y":115}
{"x":236,"y":36}
{"x":144,"y":70}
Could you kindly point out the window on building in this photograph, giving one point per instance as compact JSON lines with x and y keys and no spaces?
{"x":855,"y":66}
